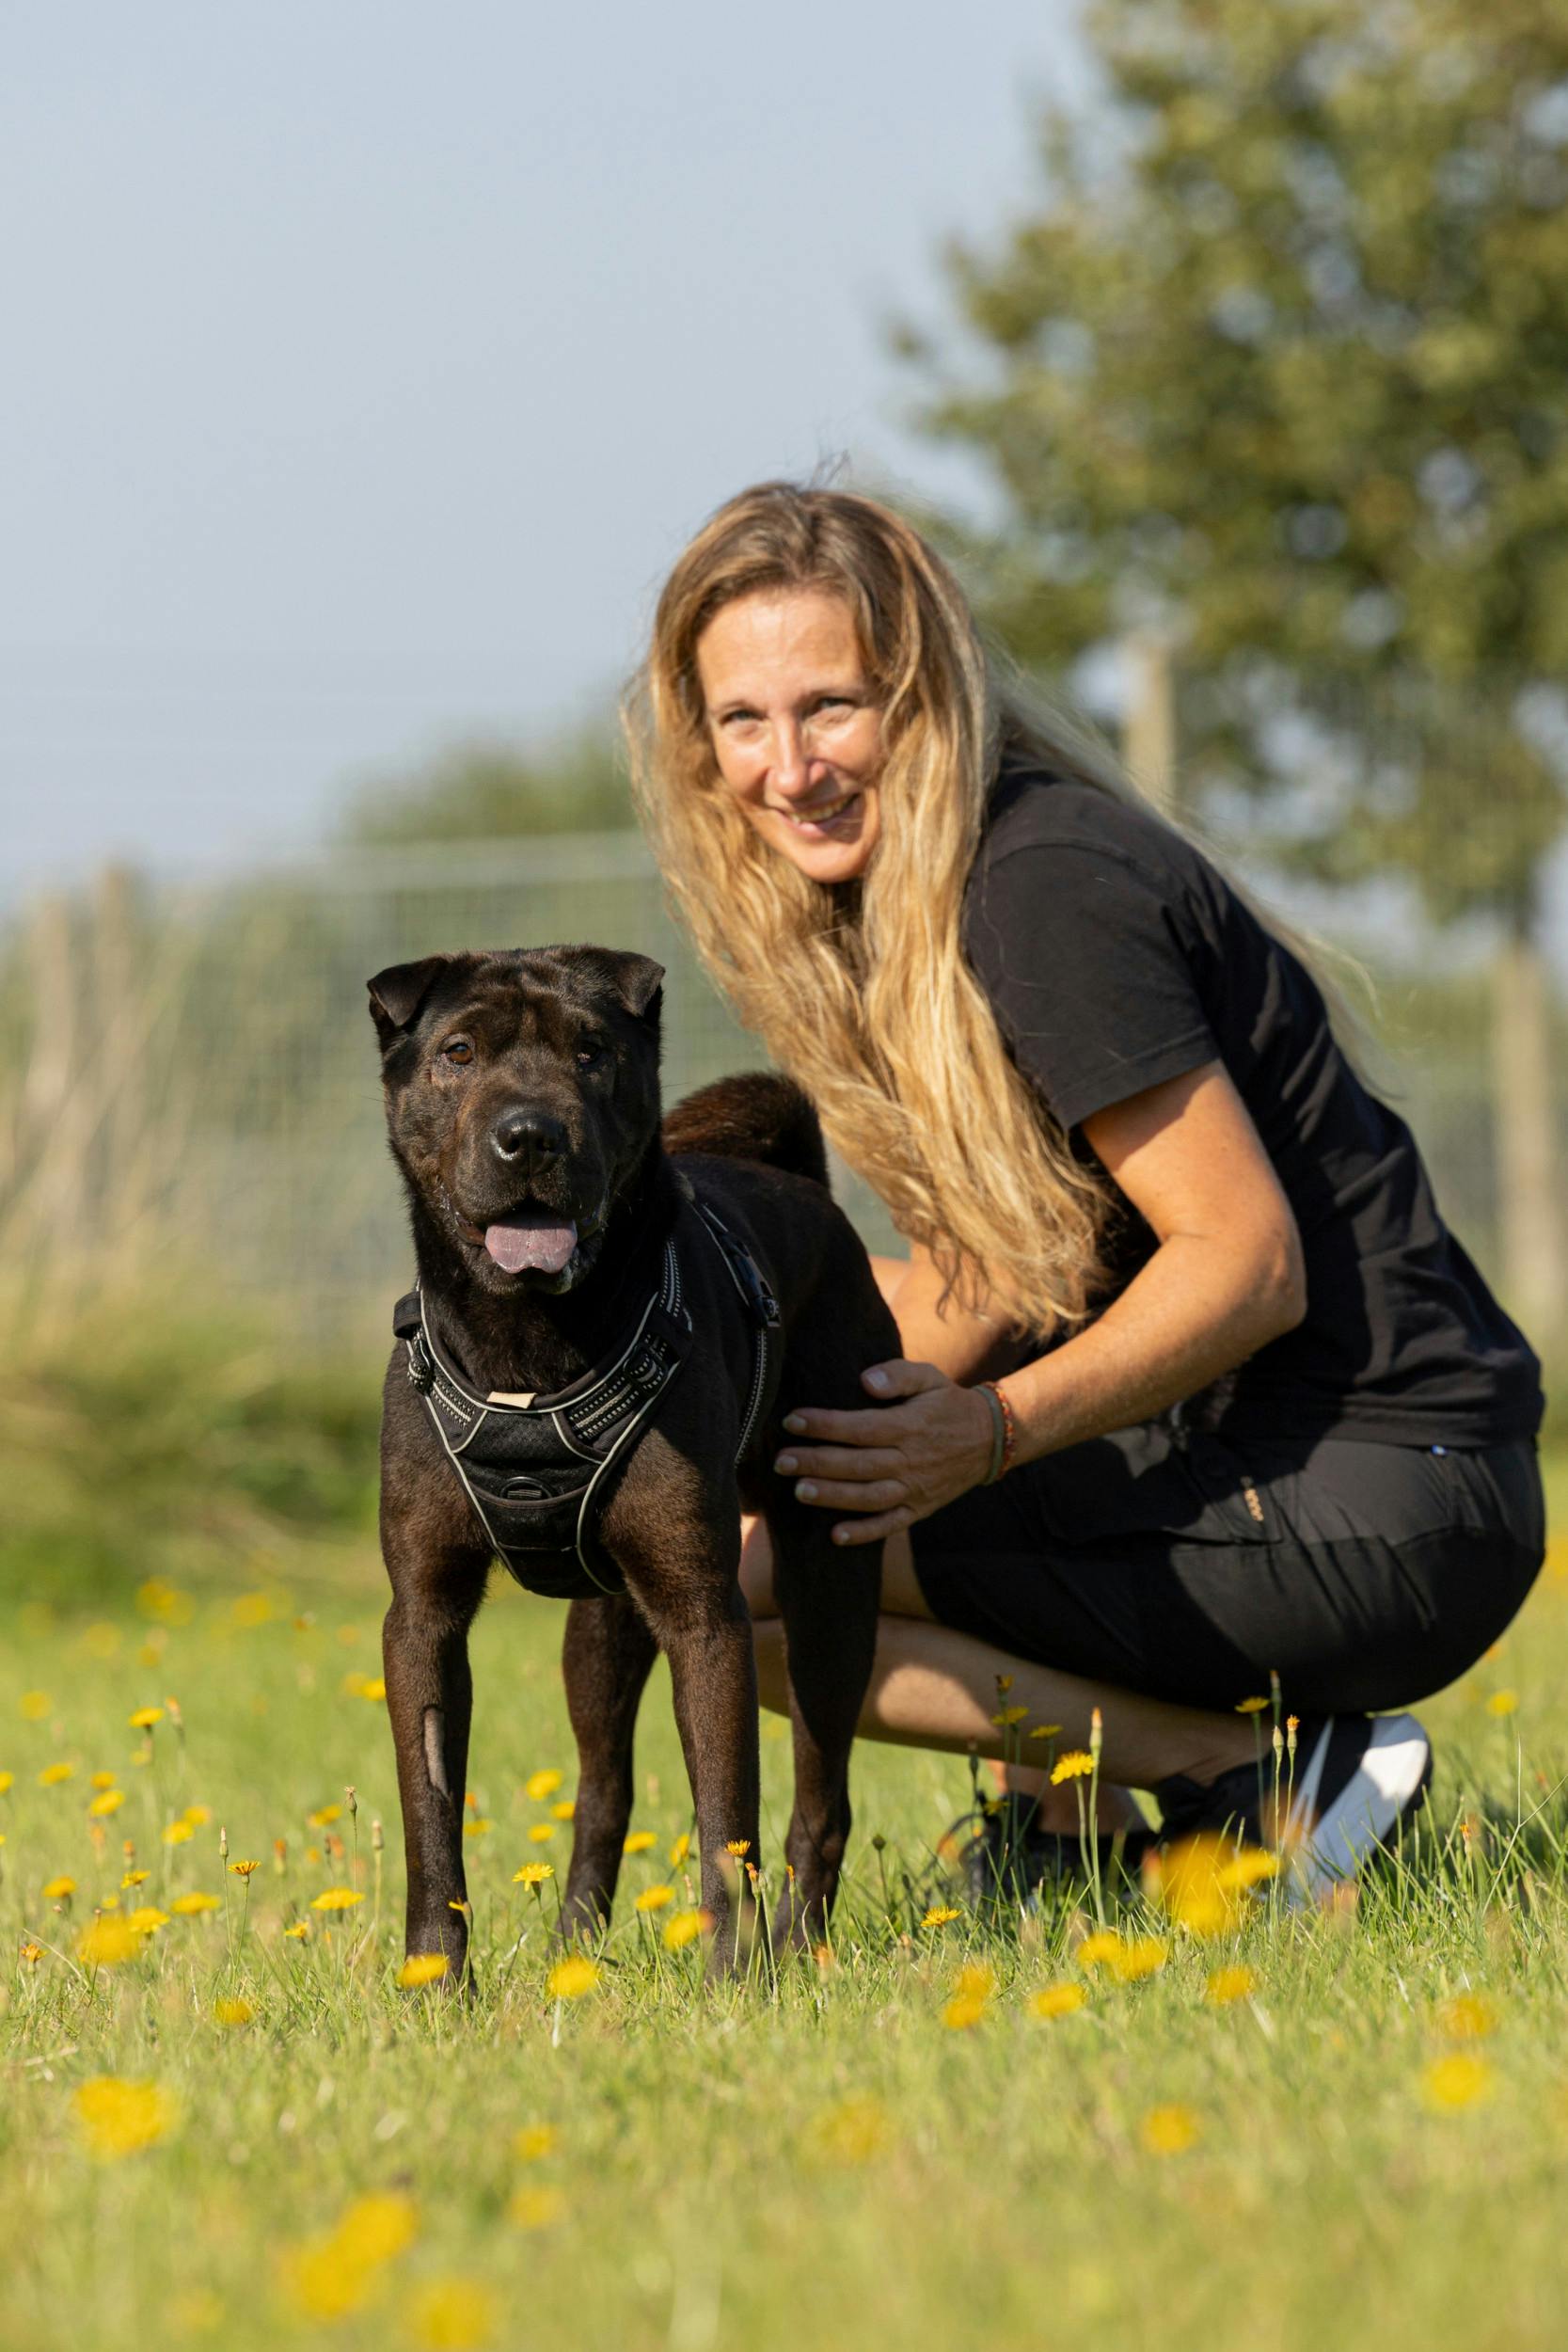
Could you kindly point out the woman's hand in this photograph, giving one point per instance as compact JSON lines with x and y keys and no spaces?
{"x":896,"y":1464}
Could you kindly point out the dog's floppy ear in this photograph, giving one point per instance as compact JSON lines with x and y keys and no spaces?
{"x":397,"y":993}
{"x":637,"y":980}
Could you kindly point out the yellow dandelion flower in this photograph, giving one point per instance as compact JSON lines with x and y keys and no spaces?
{"x":534,"y":2142}
{"x":103,"y":1780}
{"x":1502,"y":1702}
{"x":679,"y":1851}
{"x":1458,"y":2080}
{"x":534,"y":2206}
{"x":198,"y":1815}
{"x":337,"y":1898}
{"x":639,"y":1841}
{"x":1169,"y":2130}
{"x":59,"y":1890}
{"x":738,"y":1846}
{"x":684,"y":1927}
{"x":108,"y":1944}
{"x":543,"y":1783}
{"x":243,"y":1869}
{"x":325,"y":1815}
{"x":963,"y":2010}
{"x":1230,"y":1984}
{"x":147,"y":1919}
{"x":1097,"y":1950}
{"x":939,"y":1914}
{"x":453,"y":2314}
{"x":298,"y":1932}
{"x":8,"y":1780}
{"x":1057,"y":2000}
{"x":541,"y":1833}
{"x":570,"y":1978}
{"x":179,"y":1832}
{"x":655,"y":1897}
{"x":192,"y":1906}
{"x":32,"y":1953}
{"x":375,"y":2228}
{"x":1250,"y":1706}
{"x":1467,"y":2017}
{"x":424,"y":1968}
{"x":35,"y":1706}
{"x":563,"y":1811}
{"x":54,"y":1775}
{"x":109,"y":1801}
{"x":850,"y":2132}
{"x":322,"y":2282}
{"x":1201,"y":1883}
{"x":1006,"y":1717}
{"x":1046,"y":1731}
{"x":533,"y":1874}
{"x":1141,"y":1956}
{"x":1073,"y":1765}
{"x":118,"y":2118}
{"x":135,"y":1877}
{"x":232,"y":2013}
{"x":374,"y":1689}
{"x":481,"y":1828}
{"x":145,"y":1717}
{"x":1250,"y":1868}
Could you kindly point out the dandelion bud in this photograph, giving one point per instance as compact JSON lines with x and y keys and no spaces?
{"x":377,"y":1840}
{"x":1003,"y":1684}
{"x":1278,"y":1743}
{"x":279,"y":1855}
{"x":223,"y":1844}
{"x":878,"y":1843}
{"x":1097,"y":1733}
{"x":1292,"y":1725}
{"x":352,"y":1801}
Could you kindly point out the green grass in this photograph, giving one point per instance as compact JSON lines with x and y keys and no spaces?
{"x":807,"y":2164}
{"x":822,"y":2162}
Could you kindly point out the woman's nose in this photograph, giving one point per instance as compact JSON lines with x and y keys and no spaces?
{"x":791,"y":757}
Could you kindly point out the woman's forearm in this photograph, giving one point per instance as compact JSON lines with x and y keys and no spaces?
{"x":1189,"y":1315}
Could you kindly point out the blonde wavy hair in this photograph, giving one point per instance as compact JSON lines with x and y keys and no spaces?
{"x":862,"y":991}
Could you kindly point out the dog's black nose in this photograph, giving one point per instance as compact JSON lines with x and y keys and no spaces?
{"x":528,"y":1140}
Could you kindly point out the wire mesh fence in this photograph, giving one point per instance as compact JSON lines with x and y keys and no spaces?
{"x":189,"y":1079}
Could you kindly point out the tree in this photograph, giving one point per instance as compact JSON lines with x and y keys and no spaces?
{"x":493,"y":791}
{"x":1278,"y":372}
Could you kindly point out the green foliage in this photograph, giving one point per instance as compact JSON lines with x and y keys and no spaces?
{"x":1280,"y":366}
{"x":149,"y":1438}
{"x":493,"y":791}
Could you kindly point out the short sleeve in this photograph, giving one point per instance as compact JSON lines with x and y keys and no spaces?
{"x":1081,"y":951}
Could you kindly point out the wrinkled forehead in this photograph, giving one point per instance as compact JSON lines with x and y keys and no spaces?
{"x":520,"y":998}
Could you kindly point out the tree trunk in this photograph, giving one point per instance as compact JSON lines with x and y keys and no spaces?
{"x":1529,"y":1213}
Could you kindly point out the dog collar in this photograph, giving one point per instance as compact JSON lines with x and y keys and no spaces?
{"x":534,"y":1467}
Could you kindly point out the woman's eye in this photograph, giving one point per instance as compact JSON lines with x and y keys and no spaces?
{"x":458,"y":1050}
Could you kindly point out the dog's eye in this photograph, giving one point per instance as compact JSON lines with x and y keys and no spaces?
{"x":588,"y":1055}
{"x":457,"y":1049}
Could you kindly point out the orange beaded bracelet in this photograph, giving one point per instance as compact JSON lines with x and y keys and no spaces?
{"x":1005,"y":1450}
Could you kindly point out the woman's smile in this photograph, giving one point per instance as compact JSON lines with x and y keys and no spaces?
{"x":795,"y":726}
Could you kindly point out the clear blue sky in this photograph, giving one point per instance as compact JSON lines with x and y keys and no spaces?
{"x":367,"y":364}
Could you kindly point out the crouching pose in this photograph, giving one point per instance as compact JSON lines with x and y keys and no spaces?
{"x":1197,"y":1389}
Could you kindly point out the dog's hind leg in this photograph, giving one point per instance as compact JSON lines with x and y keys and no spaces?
{"x":828,"y":1599}
{"x":605,"y":1659}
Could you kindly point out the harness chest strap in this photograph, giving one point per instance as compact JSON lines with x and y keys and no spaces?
{"x":534,"y":1468}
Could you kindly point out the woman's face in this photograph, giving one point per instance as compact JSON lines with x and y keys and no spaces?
{"x":795,"y":727}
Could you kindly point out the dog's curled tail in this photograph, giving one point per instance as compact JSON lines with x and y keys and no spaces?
{"x":755,"y":1114}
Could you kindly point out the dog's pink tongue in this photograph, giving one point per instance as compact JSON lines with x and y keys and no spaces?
{"x":534,"y":1242}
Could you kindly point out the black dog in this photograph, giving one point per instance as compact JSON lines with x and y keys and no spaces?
{"x":589,"y":1384}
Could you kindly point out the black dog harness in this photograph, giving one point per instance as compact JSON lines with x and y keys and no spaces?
{"x":534,"y":1468}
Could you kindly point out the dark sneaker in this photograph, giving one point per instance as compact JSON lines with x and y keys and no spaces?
{"x":1356,"y":1780}
{"x":1007,"y":1859}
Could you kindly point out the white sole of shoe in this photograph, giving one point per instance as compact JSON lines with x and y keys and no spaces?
{"x":1385,"y":1788}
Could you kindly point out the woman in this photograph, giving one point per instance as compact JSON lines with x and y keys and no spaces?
{"x":1103,"y":1100}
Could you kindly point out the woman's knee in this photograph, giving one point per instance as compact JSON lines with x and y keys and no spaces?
{"x":767,"y":1640}
{"x":756,"y":1568}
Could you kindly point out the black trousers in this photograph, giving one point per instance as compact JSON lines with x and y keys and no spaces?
{"x":1365,"y":1575}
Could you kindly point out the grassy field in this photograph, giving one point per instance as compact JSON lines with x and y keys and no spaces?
{"x":244,"y":2135}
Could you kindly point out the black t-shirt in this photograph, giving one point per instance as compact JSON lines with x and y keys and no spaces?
{"x":1115,"y":958}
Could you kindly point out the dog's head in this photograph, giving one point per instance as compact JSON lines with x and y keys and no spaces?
{"x":522,"y":1097}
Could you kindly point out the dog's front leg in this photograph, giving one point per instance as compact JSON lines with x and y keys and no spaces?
{"x":707,"y":1639}
{"x":605,"y":1660}
{"x":424,"y":1644}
